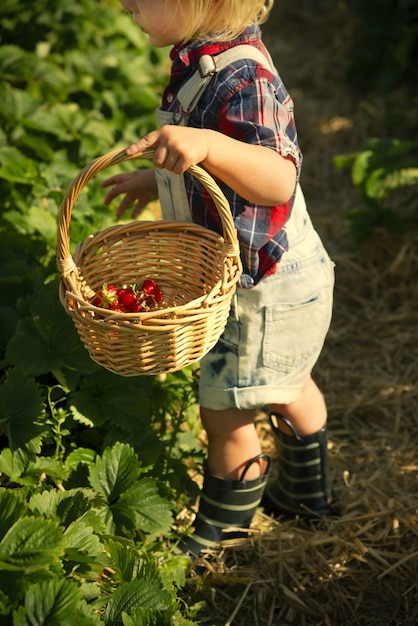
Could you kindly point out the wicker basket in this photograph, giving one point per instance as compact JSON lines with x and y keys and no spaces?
{"x":196,"y":269}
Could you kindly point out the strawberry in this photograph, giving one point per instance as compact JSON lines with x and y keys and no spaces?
{"x":118,"y":307}
{"x":106,"y":297}
{"x":152,"y":290}
{"x":122,"y":291}
{"x":128,"y":299}
{"x":138,"y":308}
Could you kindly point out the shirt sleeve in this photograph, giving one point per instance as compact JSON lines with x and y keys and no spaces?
{"x":258,"y":111}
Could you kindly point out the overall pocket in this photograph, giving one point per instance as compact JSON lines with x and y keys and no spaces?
{"x":295,"y":332}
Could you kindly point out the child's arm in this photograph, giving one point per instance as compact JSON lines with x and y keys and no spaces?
{"x":257,"y":173}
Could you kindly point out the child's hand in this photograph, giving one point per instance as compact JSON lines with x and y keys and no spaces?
{"x":139,"y":186}
{"x":255,"y":172}
{"x":176,"y":148}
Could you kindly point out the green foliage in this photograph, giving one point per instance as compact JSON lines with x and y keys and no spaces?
{"x":382,"y":168}
{"x":385,"y":43}
{"x":92,"y":465}
{"x":55,"y":547}
{"x":76,"y":80}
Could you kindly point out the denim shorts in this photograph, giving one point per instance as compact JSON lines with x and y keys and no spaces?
{"x":275,"y":331}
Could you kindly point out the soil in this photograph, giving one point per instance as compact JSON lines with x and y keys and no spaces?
{"x":361,"y":568}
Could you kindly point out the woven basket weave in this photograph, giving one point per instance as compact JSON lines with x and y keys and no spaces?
{"x":196,"y":269}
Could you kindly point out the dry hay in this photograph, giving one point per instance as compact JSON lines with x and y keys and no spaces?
{"x":360,"y":568}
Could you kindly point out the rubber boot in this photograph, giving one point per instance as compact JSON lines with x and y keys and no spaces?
{"x":303,"y":484}
{"x":225,"y":504}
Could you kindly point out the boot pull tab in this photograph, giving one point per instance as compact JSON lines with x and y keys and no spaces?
{"x":263,"y":455}
{"x":288,"y":423}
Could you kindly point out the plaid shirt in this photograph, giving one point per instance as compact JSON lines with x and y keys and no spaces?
{"x":248,"y":102}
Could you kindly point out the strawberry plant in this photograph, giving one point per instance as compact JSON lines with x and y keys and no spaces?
{"x":380,"y":171}
{"x":93,"y":467}
{"x":73,"y":555}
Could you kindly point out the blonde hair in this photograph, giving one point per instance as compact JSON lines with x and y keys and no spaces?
{"x":222,"y":22}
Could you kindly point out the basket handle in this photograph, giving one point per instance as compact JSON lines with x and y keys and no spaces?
{"x":64,"y":259}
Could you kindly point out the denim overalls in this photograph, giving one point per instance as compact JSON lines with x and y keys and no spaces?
{"x":250,"y":365}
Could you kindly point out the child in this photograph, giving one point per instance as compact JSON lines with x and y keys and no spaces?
{"x":227,"y":109}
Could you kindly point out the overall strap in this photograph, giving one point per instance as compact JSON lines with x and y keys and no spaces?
{"x":209,"y":65}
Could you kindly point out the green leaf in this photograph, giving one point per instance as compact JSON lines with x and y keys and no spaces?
{"x":146,"y":617}
{"x":68,"y":121}
{"x":177,"y":567}
{"x":51,"y":601}
{"x":16,"y":168}
{"x":61,"y":120}
{"x":143,"y":593}
{"x":115,"y":471}
{"x":21,"y":406}
{"x":83,"y":419}
{"x":37,"y":357}
{"x":344,"y":161}
{"x":382,"y":182}
{"x":62,"y":506}
{"x":80,"y":455}
{"x":31,"y":544}
{"x":83,"y":545}
{"x":149,"y":511}
{"x":146,"y":443}
{"x":6,"y":606}
{"x":45,"y":503}
{"x":46,"y":339}
{"x":125,"y":402}
{"x":14,"y":464}
{"x":12,"y":508}
{"x":361,"y":167}
{"x":36,"y":146}
{"x":46,"y":466}
{"x":390,"y":150}
{"x":14,"y":103}
{"x":36,"y":220}
{"x":123,"y":559}
{"x":97,"y":137}
{"x":57,"y":602}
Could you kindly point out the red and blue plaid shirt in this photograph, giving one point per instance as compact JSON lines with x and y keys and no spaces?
{"x":248,"y":102}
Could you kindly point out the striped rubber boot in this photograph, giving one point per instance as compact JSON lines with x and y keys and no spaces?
{"x":303,"y":485}
{"x":226,"y":504}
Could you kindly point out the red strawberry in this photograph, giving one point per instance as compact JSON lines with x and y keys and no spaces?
{"x":128,"y":300}
{"x":122,"y":291}
{"x":152,"y":290}
{"x":138,"y":308}
{"x":118,"y":307}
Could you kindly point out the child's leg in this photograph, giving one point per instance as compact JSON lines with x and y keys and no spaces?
{"x":236,"y":471}
{"x":308,"y":413}
{"x":232,"y":442}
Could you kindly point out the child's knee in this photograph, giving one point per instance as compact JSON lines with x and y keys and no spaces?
{"x":225,"y":420}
